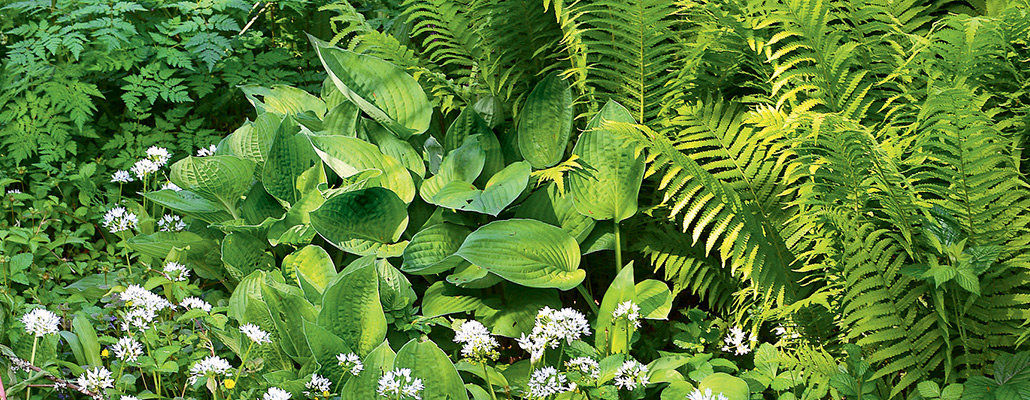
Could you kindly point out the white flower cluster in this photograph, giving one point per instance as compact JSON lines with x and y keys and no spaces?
{"x":206,"y":151}
{"x":399,"y":384}
{"x":275,"y":393}
{"x":121,"y":176}
{"x":177,"y":272}
{"x":171,"y":186}
{"x":351,"y":363}
{"x":479,"y":345}
{"x":20,"y":364}
{"x":547,"y":381}
{"x":586,"y":365}
{"x":159,"y":155}
{"x":630,"y":375}
{"x":127,"y":349}
{"x":317,"y":386}
{"x":143,"y":307}
{"x":628,"y":310}
{"x":96,"y":380}
{"x":738,"y":341}
{"x":707,"y":395}
{"x":551,"y":327}
{"x":191,"y":302}
{"x":40,"y":322}
{"x":171,"y":223}
{"x":255,"y":334}
{"x":783,"y":333}
{"x":118,"y":219}
{"x":156,"y":158}
{"x":210,"y":366}
{"x":14,"y":191}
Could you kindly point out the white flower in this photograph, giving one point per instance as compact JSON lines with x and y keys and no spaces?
{"x":585,"y":365}
{"x":171,"y":186}
{"x":628,"y":310}
{"x":535,"y":345}
{"x":127,"y":349}
{"x":317,"y":386}
{"x":547,"y":381}
{"x":479,"y":345}
{"x":139,"y":318}
{"x":275,"y":393}
{"x":350,"y":362}
{"x":159,"y":155}
{"x":399,"y":383}
{"x":738,"y":341}
{"x":21,"y":364}
{"x":40,"y":322}
{"x":630,"y":375}
{"x":210,"y":366}
{"x":177,"y":272}
{"x":118,"y":219}
{"x":171,"y":223}
{"x":707,"y":395}
{"x":191,"y":302}
{"x":206,"y":151}
{"x":144,"y":167}
{"x":14,"y":191}
{"x":121,"y":176}
{"x":256,"y":334}
{"x":551,"y":327}
{"x":96,"y":379}
{"x":135,"y":296}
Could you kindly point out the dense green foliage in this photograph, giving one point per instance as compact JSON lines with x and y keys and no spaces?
{"x":780,"y":199}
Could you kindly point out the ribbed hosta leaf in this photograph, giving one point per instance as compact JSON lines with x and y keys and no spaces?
{"x":190,"y":204}
{"x":527,"y":252}
{"x":382,"y":90}
{"x":289,"y":157}
{"x":363,"y":386}
{"x":545,"y":123}
{"x":348,"y":156}
{"x":443,"y":298}
{"x":313,"y":269}
{"x":253,"y":140}
{"x":607,"y":188}
{"x":429,"y":363}
{"x":282,"y":99}
{"x":394,"y":147}
{"x":502,"y":189}
{"x":463,"y":164}
{"x":547,"y":205}
{"x":351,"y":308}
{"x":223,"y":179}
{"x":431,"y":249}
{"x":373,"y":214}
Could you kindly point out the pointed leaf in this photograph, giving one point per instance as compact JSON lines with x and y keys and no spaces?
{"x":608,"y":186}
{"x":546,"y":122}
{"x":429,"y":363}
{"x":373,"y":214}
{"x":223,"y":179}
{"x":349,"y":156}
{"x":351,"y":308}
{"x":527,"y":252}
{"x":463,"y":165}
{"x":363,"y":386}
{"x":289,"y":157}
{"x":500,"y":191}
{"x":431,"y":248}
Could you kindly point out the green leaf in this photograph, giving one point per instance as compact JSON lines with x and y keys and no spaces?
{"x":463,"y":164}
{"x":395,"y":290}
{"x":429,"y":363}
{"x":610,"y":335}
{"x":222,"y":179}
{"x":190,"y":204}
{"x":243,"y":253}
{"x":443,"y":298}
{"x":87,"y":337}
{"x":654,"y":299}
{"x":732,"y":387}
{"x":500,"y":191}
{"x":608,"y":186}
{"x":159,"y":244}
{"x":515,"y":313}
{"x":468,"y":124}
{"x":527,"y":252}
{"x":289,"y":157}
{"x":548,"y":206}
{"x":396,"y":148}
{"x":363,"y":387}
{"x":382,"y":90}
{"x":545,"y":123}
{"x":314,"y":269}
{"x":677,"y":391}
{"x":252,"y":140}
{"x":431,"y":249}
{"x":349,"y":156}
{"x":351,"y":308}
{"x":283,"y":100}
{"x":373,"y":214}
{"x":341,"y":120}
{"x":324,"y":346}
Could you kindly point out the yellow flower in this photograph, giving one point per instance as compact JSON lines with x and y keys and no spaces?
{"x":104,"y":353}
{"x":229,"y":384}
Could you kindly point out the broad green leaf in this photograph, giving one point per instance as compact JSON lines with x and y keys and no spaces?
{"x":289,"y":157}
{"x":429,"y":363}
{"x":527,"y":252}
{"x":373,"y":214}
{"x":515,"y":312}
{"x":243,"y":253}
{"x":351,"y":308}
{"x":472,"y":277}
{"x":677,"y":391}
{"x":431,"y":249}
{"x":394,"y":147}
{"x":382,"y":90}
{"x":443,"y":298}
{"x":610,"y":335}
{"x":341,"y":120}
{"x":500,"y":191}
{"x":395,"y":290}
{"x":469,"y":124}
{"x":732,"y":387}
{"x":313,"y":267}
{"x":607,"y":187}
{"x":87,"y":337}
{"x":363,"y":386}
{"x":282,"y":99}
{"x":654,"y":299}
{"x":463,"y":164}
{"x":190,"y":204}
{"x":159,"y":244}
{"x":223,"y":179}
{"x":545,"y":122}
{"x":324,"y":346}
{"x":349,"y":156}
{"x":548,"y":206}
{"x":252,"y":140}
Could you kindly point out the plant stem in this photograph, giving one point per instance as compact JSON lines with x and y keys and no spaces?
{"x":121,"y":369}
{"x":486,"y":375}
{"x":32,"y":360}
{"x":618,"y":249}
{"x":589,"y":299}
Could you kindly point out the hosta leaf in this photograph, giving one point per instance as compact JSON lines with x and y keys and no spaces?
{"x":654,"y":299}
{"x":429,"y":363}
{"x":443,"y":298}
{"x":463,"y":164}
{"x":373,"y":214}
{"x":313,"y":268}
{"x":243,"y":253}
{"x":431,"y":249}
{"x":290,"y":156}
{"x":732,"y":387}
{"x":502,"y":189}
{"x":516,"y":312}
{"x":607,"y":187}
{"x":548,"y":206}
{"x":395,"y":290}
{"x":615,"y":334}
{"x":159,"y":244}
{"x":545,"y":123}
{"x":527,"y":252}
{"x":223,"y":179}
{"x":253,"y":140}
{"x":282,"y":99}
{"x":469,"y":124}
{"x":363,"y":386}
{"x":472,"y":277}
{"x":324,"y":346}
{"x":349,"y":156}
{"x":341,"y":120}
{"x":351,"y":308}
{"x":382,"y":90}
{"x":190,"y":204}
{"x":394,"y":147}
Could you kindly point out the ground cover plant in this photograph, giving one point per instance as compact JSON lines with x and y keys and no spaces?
{"x":474,"y":199}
